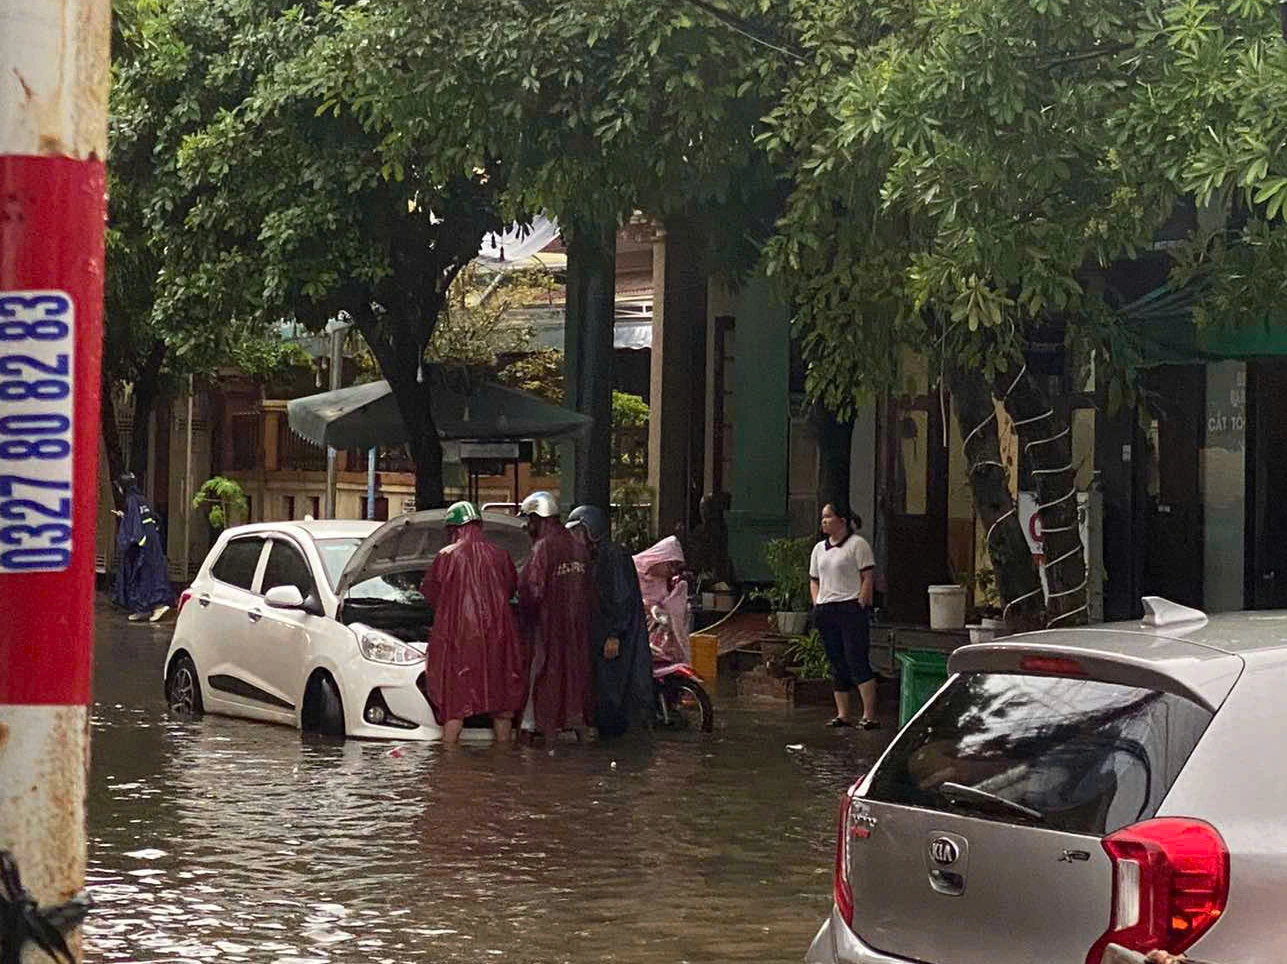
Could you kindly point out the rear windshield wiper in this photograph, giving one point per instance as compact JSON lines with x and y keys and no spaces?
{"x":956,"y":792}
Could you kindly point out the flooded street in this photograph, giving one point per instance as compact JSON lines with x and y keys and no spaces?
{"x":230,"y":840}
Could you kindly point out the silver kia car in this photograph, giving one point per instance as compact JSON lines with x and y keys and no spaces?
{"x":1071,"y":791}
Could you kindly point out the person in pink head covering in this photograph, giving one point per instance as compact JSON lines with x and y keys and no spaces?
{"x":665,"y":592}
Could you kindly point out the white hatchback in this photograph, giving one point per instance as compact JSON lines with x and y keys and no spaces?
{"x":318,"y":625}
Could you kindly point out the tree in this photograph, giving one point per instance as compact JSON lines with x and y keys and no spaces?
{"x":960,"y":178}
{"x":279,"y":209}
{"x":1213,"y":124}
{"x":596,"y":108}
{"x":158,"y":97}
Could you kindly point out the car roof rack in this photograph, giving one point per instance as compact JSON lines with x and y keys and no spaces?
{"x":1159,"y":612}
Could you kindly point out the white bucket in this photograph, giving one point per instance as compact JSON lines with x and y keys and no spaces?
{"x":792,"y":624}
{"x":947,"y":607}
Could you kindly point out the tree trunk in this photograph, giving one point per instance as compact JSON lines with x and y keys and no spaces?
{"x":835,"y":438}
{"x":426,"y":452}
{"x":111,"y":436}
{"x":1045,"y":448}
{"x":1017,"y":580}
{"x":147,"y":389}
{"x":590,"y":325}
{"x":399,"y":360}
{"x":412,"y":397}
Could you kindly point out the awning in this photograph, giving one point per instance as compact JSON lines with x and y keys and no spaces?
{"x":1162,"y":321}
{"x":629,"y":335}
{"x":366,"y":415}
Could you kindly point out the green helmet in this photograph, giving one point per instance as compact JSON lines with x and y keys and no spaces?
{"x":462,"y":513}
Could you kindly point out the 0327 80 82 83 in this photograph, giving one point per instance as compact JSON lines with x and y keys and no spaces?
{"x":37,"y":335}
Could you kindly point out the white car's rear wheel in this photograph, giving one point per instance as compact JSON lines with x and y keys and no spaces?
{"x":183,"y":688}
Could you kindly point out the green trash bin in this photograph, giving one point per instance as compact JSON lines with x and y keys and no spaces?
{"x":922,"y":672}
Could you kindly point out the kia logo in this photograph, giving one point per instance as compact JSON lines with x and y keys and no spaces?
{"x":944,"y":851}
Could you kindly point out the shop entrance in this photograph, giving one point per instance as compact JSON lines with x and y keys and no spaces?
{"x":1170,"y":486}
{"x":1267,"y":485}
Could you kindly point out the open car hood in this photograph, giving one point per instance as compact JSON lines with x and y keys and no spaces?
{"x":410,"y":542}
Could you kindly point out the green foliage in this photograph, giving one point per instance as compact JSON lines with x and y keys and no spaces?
{"x":961,"y":173}
{"x":158,"y":87}
{"x":628,"y":411}
{"x":632,"y":516}
{"x":809,"y":655}
{"x":788,"y":561}
{"x":539,"y":372}
{"x":225,"y":499}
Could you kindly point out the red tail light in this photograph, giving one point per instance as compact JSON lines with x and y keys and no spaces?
{"x":841,"y":892}
{"x":1052,"y":666}
{"x":183,"y":598}
{"x":1170,"y":885}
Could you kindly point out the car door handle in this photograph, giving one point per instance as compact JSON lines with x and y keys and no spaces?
{"x":204,"y":601}
{"x":255,"y":615}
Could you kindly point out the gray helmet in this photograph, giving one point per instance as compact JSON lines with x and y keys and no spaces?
{"x":540,"y":504}
{"x":593,"y":518}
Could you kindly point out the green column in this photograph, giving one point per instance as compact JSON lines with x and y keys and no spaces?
{"x":761,"y":425}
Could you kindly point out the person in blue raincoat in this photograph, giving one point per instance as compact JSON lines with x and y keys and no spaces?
{"x":623,"y":691}
{"x":142,"y":577}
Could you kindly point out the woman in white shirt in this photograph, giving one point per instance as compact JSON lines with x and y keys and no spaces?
{"x":840,"y":581}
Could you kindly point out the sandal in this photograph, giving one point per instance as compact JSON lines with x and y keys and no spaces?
{"x":838,"y":722}
{"x":866,"y":724}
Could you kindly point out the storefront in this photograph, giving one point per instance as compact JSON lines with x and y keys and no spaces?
{"x":1197,"y":475}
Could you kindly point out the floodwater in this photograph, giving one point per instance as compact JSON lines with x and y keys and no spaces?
{"x":228,"y":840}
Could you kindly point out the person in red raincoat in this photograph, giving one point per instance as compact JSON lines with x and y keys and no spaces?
{"x":476,"y":664}
{"x":556,"y":601}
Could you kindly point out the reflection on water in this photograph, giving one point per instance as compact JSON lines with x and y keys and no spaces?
{"x":235,"y":841}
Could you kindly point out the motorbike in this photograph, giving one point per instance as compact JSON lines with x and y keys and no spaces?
{"x":680,"y":699}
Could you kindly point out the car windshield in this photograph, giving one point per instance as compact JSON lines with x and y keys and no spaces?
{"x":397,"y":587}
{"x":336,"y":554}
{"x":1078,"y":755}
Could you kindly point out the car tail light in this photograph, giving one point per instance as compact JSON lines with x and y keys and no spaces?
{"x":1170,"y":885}
{"x":183,"y":599}
{"x":1052,"y":666}
{"x":841,"y":892}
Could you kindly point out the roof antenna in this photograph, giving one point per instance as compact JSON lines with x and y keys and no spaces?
{"x":1159,"y":612}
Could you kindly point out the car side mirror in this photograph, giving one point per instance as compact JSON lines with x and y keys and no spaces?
{"x":284,"y":597}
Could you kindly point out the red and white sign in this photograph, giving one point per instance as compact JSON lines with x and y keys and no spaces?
{"x":1030,"y":519}
{"x":51,"y":295}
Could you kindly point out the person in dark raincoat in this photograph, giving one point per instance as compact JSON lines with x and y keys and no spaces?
{"x":142,"y":577}
{"x":475,"y":665}
{"x":556,"y":600}
{"x":623,"y":688}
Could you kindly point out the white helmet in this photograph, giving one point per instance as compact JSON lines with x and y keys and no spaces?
{"x":540,"y":504}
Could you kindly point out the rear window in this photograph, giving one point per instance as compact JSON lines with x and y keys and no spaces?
{"x":236,"y":564}
{"x":1079,"y":755}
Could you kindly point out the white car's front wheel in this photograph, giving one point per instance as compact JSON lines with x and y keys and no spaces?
{"x":323,"y":708}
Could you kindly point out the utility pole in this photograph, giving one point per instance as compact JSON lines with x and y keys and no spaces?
{"x":187,"y":489}
{"x":337,"y":330}
{"x":54,"y":68}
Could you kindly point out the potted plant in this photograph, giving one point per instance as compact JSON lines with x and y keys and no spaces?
{"x":788,"y":561}
{"x":807,"y":657}
{"x":807,"y":661}
{"x":982,"y":591}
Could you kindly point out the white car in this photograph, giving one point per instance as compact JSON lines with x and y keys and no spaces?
{"x":318,"y":625}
